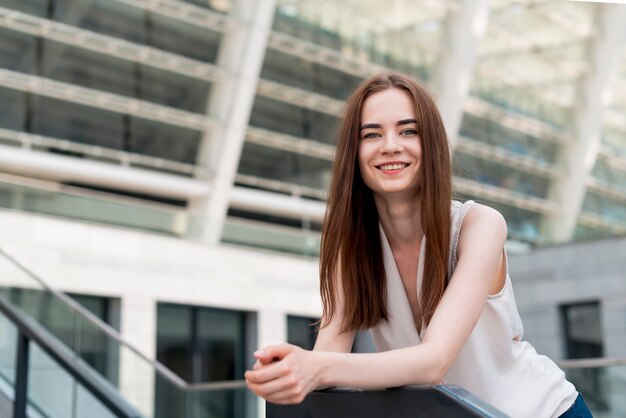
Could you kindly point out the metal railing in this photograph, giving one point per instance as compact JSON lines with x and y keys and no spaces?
{"x":29,"y":303}
{"x":410,"y":401}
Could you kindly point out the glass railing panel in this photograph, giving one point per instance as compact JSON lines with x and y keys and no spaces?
{"x":88,"y":406}
{"x":260,"y":235}
{"x":148,"y":217}
{"x":8,"y":357}
{"x":93,"y":209}
{"x":169,"y":399}
{"x":53,"y":392}
{"x":51,"y":389}
{"x":146,"y":386}
{"x":602,"y":387}
{"x":222,"y":403}
{"x":84,"y":338}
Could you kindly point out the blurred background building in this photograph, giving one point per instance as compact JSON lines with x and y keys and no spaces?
{"x":165,"y":162}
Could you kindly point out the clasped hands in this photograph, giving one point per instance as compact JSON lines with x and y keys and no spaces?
{"x":284,"y":374}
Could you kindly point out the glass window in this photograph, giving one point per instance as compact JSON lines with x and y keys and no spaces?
{"x":172,"y":90}
{"x":12,"y":109}
{"x":88,"y":69}
{"x":219,"y":6}
{"x":18,"y":51}
{"x":96,"y":349}
{"x":188,"y":40}
{"x":201,"y":345}
{"x":605,"y":207}
{"x":307,"y":75}
{"x":103,"y":16}
{"x":78,"y":334}
{"x":301,"y":331}
{"x":499,"y":175}
{"x":162,"y":140}
{"x":582,"y":338}
{"x":65,"y":120}
{"x":582,"y":330}
{"x":293,"y":120}
{"x":32,"y":7}
{"x":285,"y":166}
{"x":514,"y":141}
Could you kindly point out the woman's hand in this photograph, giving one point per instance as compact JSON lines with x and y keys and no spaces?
{"x":284,"y":374}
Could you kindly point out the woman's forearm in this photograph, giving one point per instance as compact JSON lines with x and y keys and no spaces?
{"x":406,"y":366}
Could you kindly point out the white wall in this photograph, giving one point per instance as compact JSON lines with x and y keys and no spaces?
{"x":142,"y":269}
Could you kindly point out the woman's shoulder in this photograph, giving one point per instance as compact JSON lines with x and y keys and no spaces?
{"x":483,"y":218}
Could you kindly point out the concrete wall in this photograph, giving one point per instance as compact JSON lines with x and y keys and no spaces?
{"x":546,"y":278}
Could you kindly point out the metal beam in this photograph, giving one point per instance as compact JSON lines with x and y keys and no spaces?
{"x":242,"y":50}
{"x":464,"y":26}
{"x":579,"y":156}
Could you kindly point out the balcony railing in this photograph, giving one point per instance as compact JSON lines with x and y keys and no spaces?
{"x":412,"y":401}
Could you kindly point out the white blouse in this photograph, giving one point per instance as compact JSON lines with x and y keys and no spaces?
{"x":494,"y":364}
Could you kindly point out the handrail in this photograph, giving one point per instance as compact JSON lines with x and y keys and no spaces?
{"x":592,"y":362}
{"x":111,"y":332}
{"x":29,"y":331}
{"x":103,"y":326}
{"x":403,"y":402}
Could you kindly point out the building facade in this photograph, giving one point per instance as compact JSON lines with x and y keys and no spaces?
{"x":171,"y":156}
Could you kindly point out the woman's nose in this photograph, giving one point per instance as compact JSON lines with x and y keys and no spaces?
{"x":391,"y":144}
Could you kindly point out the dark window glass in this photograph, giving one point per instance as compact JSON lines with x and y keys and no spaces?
{"x":96,"y":349}
{"x":77,"y":123}
{"x":201,"y":345}
{"x":18,"y":52}
{"x":514,"y":141}
{"x":281,"y":165}
{"x":172,"y":90}
{"x":301,"y":331}
{"x":88,"y":69}
{"x":163,"y":141}
{"x":188,"y":40}
{"x":499,"y":175}
{"x":32,"y":7}
{"x":307,"y":75}
{"x":12,"y":109}
{"x":103,"y":16}
{"x":80,"y":335}
{"x":219,"y":6}
{"x":293,"y":120}
{"x":582,"y":338}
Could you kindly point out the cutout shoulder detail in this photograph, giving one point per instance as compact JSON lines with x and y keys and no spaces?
{"x":459,"y":210}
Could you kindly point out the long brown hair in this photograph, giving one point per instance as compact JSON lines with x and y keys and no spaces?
{"x":351,"y":257}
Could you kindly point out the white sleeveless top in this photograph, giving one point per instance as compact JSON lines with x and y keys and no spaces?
{"x":494,"y":364}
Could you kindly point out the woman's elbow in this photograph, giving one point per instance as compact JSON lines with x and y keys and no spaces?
{"x":437,"y":370}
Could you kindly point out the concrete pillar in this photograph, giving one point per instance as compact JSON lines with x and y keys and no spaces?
{"x":464,"y":26}
{"x":138,"y":328}
{"x":594,"y":91}
{"x":241,"y":53}
{"x":272,"y":329}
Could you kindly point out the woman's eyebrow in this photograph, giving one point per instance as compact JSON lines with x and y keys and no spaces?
{"x":406,"y":121}
{"x":370,"y":126}
{"x":378,"y":125}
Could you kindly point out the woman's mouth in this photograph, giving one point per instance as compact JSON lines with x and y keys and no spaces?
{"x":392,"y":166}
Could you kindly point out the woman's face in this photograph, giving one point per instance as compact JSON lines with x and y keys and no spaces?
{"x":390,"y":149}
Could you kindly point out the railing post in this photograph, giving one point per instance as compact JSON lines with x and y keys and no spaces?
{"x":21,"y":376}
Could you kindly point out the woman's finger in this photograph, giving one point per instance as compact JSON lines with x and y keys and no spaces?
{"x":284,"y":390}
{"x":268,"y":372}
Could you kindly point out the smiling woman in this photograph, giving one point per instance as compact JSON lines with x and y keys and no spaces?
{"x":428,"y":276}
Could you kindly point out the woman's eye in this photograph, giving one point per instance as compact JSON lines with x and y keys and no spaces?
{"x":409,"y":132}
{"x":370,"y":135}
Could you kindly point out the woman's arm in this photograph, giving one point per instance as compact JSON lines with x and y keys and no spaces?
{"x":479,"y":257}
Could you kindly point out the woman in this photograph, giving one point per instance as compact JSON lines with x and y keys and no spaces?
{"x":428,"y":277}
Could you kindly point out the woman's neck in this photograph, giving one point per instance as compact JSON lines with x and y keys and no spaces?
{"x":401,"y":221}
